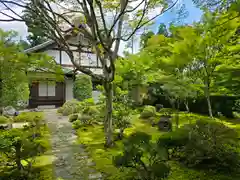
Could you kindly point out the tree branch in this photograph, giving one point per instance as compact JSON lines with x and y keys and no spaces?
{"x":151,"y":19}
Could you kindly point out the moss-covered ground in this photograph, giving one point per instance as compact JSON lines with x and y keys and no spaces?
{"x":93,"y":138}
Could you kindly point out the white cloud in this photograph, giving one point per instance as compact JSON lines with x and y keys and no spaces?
{"x":19,"y":27}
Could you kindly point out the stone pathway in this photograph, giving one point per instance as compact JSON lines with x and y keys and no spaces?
{"x":71,"y":160}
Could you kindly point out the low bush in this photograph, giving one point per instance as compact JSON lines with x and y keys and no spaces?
{"x":205,"y":144}
{"x":85,"y":119}
{"x":28,"y":117}
{"x":121,"y":118}
{"x":60,"y":110}
{"x":3,"y":120}
{"x":148,"y":111}
{"x":20,"y":148}
{"x":77,"y":124}
{"x":143,"y":157}
{"x":166,"y":111}
{"x":73,"y":117}
{"x":87,"y":102}
{"x":70,"y":107}
{"x":91,"y":111}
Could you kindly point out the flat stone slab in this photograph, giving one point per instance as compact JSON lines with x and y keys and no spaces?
{"x":95,"y":176}
{"x":19,"y":125}
{"x":16,"y":125}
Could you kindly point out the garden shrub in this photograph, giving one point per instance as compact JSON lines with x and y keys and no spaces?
{"x":87,"y":102}
{"x":73,"y":117}
{"x":121,"y":118}
{"x":166,"y":111}
{"x":19,"y":147}
{"x":82,"y":87}
{"x":205,"y":144}
{"x":91,"y":111}
{"x":3,"y":120}
{"x":143,"y":157}
{"x":77,"y":124}
{"x":85,"y":119}
{"x":28,"y":117}
{"x":148,"y":111}
{"x":60,"y":110}
{"x":70,"y":107}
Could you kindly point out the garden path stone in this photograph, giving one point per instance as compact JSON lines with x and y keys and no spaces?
{"x":71,"y":160}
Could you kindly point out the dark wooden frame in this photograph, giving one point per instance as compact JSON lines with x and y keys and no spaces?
{"x":58,"y":100}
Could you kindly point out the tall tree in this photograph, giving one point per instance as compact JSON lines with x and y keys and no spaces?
{"x":214,"y":4}
{"x":93,"y":19}
{"x":36,"y":34}
{"x":162,"y":29}
{"x":145,"y":37}
{"x":207,"y":46}
{"x":198,"y":52}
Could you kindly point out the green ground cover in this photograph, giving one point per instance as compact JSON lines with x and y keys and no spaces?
{"x":93,"y":138}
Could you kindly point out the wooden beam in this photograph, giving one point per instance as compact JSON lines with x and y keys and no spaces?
{"x":72,"y":66}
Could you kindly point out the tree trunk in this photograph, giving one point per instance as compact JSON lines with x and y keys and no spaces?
{"x":177,"y":115}
{"x":186,"y":105}
{"x":209,"y":106}
{"x":108,"y":114}
{"x":120,"y":136}
{"x":207,"y":95}
{"x":18,"y":157}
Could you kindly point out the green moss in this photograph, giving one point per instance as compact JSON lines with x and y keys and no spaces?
{"x":180,"y":172}
{"x":3,"y":120}
{"x":28,"y":116}
{"x":93,"y":138}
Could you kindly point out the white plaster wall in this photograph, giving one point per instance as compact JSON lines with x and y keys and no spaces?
{"x":65,"y":58}
{"x":85,"y":59}
{"x":69,"y":89}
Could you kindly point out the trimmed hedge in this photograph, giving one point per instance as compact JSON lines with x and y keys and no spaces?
{"x":82,"y":87}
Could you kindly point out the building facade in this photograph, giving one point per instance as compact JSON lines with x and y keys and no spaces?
{"x":48,"y":92}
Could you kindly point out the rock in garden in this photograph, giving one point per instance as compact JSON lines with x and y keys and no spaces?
{"x":35,"y":110}
{"x":9,"y":111}
{"x":159,"y":107}
{"x":4,"y":127}
{"x":165,"y":123}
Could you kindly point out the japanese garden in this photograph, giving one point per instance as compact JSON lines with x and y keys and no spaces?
{"x":75,"y":105}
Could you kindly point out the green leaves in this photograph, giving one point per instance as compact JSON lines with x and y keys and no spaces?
{"x":82,"y":88}
{"x":14,"y":67}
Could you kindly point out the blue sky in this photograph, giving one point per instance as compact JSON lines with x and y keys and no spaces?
{"x":194,"y":14}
